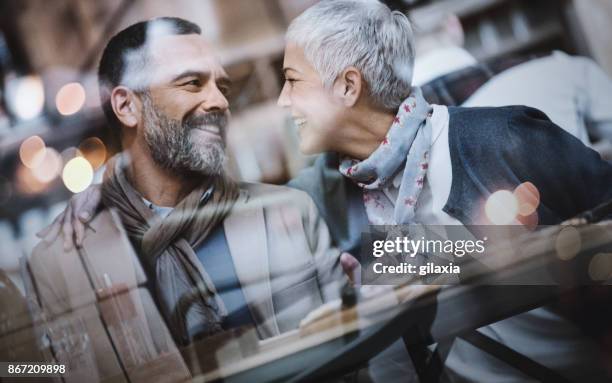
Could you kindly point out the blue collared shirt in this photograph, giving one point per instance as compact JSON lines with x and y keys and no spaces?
{"x":216,"y":259}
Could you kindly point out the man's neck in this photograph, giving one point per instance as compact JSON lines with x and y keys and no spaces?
{"x":364,"y":133}
{"x":161,"y":187}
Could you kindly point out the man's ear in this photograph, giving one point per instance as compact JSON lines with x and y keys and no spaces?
{"x":126,"y":105}
{"x":348,"y":86}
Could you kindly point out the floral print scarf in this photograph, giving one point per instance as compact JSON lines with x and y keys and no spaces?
{"x":405,"y":149}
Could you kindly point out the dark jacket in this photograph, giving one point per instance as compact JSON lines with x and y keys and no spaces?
{"x":490,"y":149}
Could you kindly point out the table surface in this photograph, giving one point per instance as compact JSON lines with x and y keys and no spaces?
{"x":339,"y":338}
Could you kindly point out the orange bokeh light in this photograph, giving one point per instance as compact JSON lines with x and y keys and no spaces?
{"x":94,"y":151}
{"x":50,"y":166}
{"x":70,"y":98}
{"x":528,"y":198}
{"x":31,"y":151}
{"x":27,"y":183}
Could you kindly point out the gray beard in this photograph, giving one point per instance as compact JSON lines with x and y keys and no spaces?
{"x":171,"y":146}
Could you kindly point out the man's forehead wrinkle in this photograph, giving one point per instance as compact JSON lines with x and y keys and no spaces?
{"x":165,"y":46}
{"x":176,"y":69}
{"x":186,"y":52}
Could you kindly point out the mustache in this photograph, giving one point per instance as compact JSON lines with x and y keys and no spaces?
{"x":218,"y":119}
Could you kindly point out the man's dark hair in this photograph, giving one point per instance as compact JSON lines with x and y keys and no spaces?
{"x":114,"y":62}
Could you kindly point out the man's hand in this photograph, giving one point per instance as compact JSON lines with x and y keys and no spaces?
{"x":351,"y":268}
{"x":72,"y":221}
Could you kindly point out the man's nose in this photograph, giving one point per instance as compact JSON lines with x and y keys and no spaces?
{"x":284,"y":100}
{"x":214,"y":99}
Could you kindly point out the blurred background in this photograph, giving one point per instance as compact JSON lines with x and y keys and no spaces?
{"x":53,"y":139}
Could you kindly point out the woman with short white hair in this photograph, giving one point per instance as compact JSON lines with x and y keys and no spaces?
{"x":365,"y":34}
{"x":348,"y":69}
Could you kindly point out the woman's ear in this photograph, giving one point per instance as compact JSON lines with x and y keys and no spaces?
{"x":348,"y":86}
{"x":126,"y":105}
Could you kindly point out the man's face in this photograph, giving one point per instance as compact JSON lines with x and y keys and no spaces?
{"x":315,"y":110}
{"x":185,"y":110}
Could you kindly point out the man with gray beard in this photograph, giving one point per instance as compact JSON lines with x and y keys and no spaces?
{"x":171,"y":144}
{"x":219,"y":254}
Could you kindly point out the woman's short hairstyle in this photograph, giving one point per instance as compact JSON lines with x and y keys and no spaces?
{"x":366,"y":34}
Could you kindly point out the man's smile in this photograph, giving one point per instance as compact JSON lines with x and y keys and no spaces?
{"x":210,"y":129}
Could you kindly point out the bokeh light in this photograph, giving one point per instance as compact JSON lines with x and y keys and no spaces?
{"x":48,"y":169}
{"x":568,"y":243}
{"x":26,"y":183}
{"x":600,"y":267}
{"x":530,"y":221}
{"x":31,"y":151}
{"x":501,"y":208}
{"x":94,"y":150}
{"x":26,"y":96}
{"x":69,"y":153}
{"x":77,"y":174}
{"x":70,"y":98}
{"x":528,"y":198}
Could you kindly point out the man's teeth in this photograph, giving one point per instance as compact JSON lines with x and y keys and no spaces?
{"x":211,"y":128}
{"x":300,"y":122}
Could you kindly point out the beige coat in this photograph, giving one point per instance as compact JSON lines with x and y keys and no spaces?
{"x":100,"y":318}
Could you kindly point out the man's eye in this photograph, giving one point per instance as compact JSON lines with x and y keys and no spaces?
{"x":291,"y":81}
{"x":225,"y":90}
{"x":194,"y":82}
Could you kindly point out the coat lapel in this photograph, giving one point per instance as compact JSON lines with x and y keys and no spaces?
{"x":246,"y":237}
{"x":339,"y":201}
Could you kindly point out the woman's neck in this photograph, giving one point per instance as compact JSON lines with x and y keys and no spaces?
{"x":364,"y":132}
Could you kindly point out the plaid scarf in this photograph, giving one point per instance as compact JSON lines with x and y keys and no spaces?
{"x":185,"y":292}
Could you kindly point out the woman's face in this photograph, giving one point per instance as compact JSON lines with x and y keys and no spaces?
{"x":316,"y":112}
